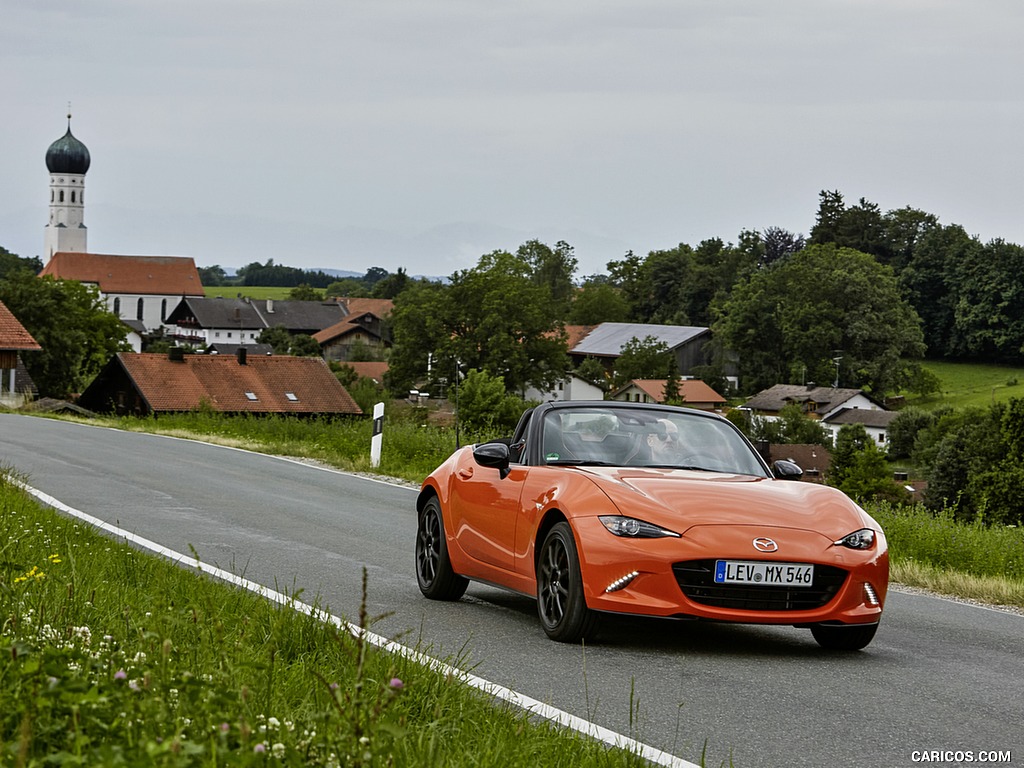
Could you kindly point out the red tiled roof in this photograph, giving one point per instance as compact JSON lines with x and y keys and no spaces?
{"x":578,"y":333}
{"x":148,"y":275}
{"x":369,"y":370}
{"x":359,"y":306}
{"x":691,"y":390}
{"x":223,"y":382}
{"x":13,"y":335}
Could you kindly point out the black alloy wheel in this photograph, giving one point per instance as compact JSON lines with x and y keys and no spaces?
{"x":434,"y":572}
{"x":560,"y":602}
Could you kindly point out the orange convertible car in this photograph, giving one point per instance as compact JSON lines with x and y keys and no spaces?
{"x":612,"y":507}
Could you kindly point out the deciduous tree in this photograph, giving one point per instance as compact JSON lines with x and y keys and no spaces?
{"x":70,"y":322}
{"x":821,"y":300}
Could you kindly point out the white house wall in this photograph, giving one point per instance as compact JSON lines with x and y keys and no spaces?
{"x":154,"y":308}
{"x":571,"y":389}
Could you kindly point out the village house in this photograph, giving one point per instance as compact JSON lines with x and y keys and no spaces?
{"x":694,"y":393}
{"x":140,"y":288}
{"x":362,"y":326}
{"x":147,"y":383}
{"x":833,"y":406}
{"x":200,"y":322}
{"x":15,"y":384}
{"x":605,"y":342}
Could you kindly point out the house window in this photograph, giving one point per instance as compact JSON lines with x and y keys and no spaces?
{"x":251,"y":395}
{"x":72,"y":195}
{"x":138,"y":311}
{"x":117,"y":306}
{"x":216,"y":334}
{"x":163,"y":310}
{"x":229,"y":334}
{"x":61,"y":196}
{"x":291,"y":396}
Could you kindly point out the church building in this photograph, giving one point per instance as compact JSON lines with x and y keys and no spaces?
{"x":141,"y":290}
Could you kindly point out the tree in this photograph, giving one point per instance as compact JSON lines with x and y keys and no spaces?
{"x":830,"y":211}
{"x":779,"y":244}
{"x":494,"y":318}
{"x":305,"y":292}
{"x":70,"y":322}
{"x":304,"y":345}
{"x":598,"y":302}
{"x":988,"y":322}
{"x":671,"y":394}
{"x":821,"y":300}
{"x":9,"y":262}
{"x":645,"y":358}
{"x":590,"y":369}
{"x":904,"y":230}
{"x":930,"y":281}
{"x":904,"y":429}
{"x":212,"y":276}
{"x":553,"y":268}
{"x":390,"y":286}
{"x":419,"y":324}
{"x":485,"y":405}
{"x":278,"y":337}
{"x":868,"y":477}
{"x":348,"y":286}
{"x":284,"y":343}
{"x":374,"y":275}
{"x":792,"y":426}
{"x":851,"y":440}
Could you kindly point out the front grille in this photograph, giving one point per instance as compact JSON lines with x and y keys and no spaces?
{"x":697,"y":580}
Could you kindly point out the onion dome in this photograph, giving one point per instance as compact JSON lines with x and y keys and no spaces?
{"x":68,"y":155}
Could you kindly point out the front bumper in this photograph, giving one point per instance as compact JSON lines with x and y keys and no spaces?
{"x":672,"y":577}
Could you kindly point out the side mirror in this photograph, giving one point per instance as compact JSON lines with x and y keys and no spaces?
{"x":786,"y":470}
{"x":494,"y":455}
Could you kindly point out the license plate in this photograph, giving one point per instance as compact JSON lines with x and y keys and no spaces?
{"x":762,"y":573}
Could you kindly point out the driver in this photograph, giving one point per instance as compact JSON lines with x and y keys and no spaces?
{"x":664,"y":443}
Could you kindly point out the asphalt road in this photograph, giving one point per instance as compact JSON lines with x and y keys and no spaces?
{"x":939,"y":676}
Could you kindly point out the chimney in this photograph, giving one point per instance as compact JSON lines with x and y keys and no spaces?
{"x":241,"y":355}
{"x":270,"y":306}
{"x":176,"y":354}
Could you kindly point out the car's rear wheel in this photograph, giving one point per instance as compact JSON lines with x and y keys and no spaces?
{"x":560,"y":603}
{"x":434,"y":572}
{"x":852,"y":637}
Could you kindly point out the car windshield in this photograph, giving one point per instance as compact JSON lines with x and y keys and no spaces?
{"x":638,"y":437}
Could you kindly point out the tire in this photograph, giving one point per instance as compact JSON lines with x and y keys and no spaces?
{"x":839,"y":638}
{"x":434,"y":573}
{"x":561,"y":606}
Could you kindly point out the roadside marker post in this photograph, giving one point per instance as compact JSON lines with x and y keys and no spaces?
{"x":378,"y":434}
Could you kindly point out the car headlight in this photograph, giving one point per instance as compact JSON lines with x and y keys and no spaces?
{"x":632,"y":528}
{"x":862,"y":539}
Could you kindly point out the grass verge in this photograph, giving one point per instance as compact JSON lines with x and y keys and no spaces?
{"x":937,"y":552}
{"x":112,"y":656}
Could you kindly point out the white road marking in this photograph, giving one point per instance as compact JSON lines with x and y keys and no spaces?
{"x":531,"y":705}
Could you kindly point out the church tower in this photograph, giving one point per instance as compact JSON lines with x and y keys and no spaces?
{"x":68,"y":160}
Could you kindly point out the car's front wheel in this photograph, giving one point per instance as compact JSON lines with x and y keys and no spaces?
{"x":434,"y":573}
{"x":852,"y":637}
{"x":560,"y":603}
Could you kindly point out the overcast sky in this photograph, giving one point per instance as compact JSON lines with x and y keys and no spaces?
{"x":422,"y":134}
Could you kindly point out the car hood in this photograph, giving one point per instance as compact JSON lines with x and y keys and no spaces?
{"x":681,"y":499}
